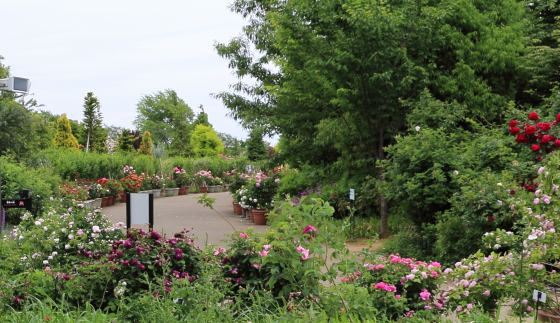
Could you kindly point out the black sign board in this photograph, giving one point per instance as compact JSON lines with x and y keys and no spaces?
{"x":17,"y":204}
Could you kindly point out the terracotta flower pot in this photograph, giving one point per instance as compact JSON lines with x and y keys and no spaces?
{"x":237,"y":208}
{"x":187,"y":188}
{"x":182,"y":190}
{"x":545,"y":316}
{"x":259,"y":217}
{"x":109,"y":200}
{"x":252,"y":215}
{"x":203,"y":189}
{"x":114,"y":201}
{"x":104,"y":201}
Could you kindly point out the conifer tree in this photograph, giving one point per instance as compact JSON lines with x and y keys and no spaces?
{"x":63,"y":136}
{"x":256,"y":147}
{"x":94,"y":135}
{"x":125,"y":141}
{"x":146,"y":145}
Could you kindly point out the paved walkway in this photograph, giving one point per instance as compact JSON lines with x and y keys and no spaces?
{"x":173,"y":214}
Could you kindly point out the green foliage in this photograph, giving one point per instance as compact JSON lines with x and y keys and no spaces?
{"x":125,"y":141}
{"x":14,"y":118}
{"x":256,"y":147}
{"x":205,"y":142}
{"x":92,"y":127}
{"x":146,"y":145}
{"x":160,"y":113}
{"x":16,"y":177}
{"x":63,"y":137}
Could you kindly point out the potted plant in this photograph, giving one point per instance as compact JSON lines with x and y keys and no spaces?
{"x":156,"y":185}
{"x":169,"y":186}
{"x":201,"y":178}
{"x":115,"y":189}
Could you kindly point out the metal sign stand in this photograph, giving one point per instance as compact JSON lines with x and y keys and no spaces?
{"x":140,"y":209}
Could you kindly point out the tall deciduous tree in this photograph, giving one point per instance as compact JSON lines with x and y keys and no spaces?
{"x":63,"y":137}
{"x":157,"y":113}
{"x":93,"y":131}
{"x":344,"y":68}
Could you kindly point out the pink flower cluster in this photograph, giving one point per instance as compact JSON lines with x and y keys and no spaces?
{"x":304,"y":251}
{"x":386,"y":287}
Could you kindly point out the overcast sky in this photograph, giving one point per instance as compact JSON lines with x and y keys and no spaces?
{"x":120,"y":50}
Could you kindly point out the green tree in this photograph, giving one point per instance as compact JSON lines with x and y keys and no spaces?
{"x":157,"y":113}
{"x":256,"y":147}
{"x":146,"y":144}
{"x":63,"y":137}
{"x":15,"y":121}
{"x":125,"y":141}
{"x":182,"y":128}
{"x":92,"y":125}
{"x":205,"y":142}
{"x":343,"y":71}
{"x":232,"y":145}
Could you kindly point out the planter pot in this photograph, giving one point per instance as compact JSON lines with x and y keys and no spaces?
{"x":182,"y":190}
{"x":251,"y":215}
{"x":211,"y":189}
{"x":175,"y":191}
{"x":104,"y":201}
{"x":259,"y":217}
{"x":187,"y":188}
{"x":146,"y":192}
{"x":162,"y":192}
{"x":203,"y":189}
{"x":123,"y":197}
{"x":114,"y":201}
{"x":237,"y":208}
{"x":546,"y":316}
{"x":87,"y":204}
{"x":109,"y":200}
{"x":169,"y":191}
{"x":218,"y":188}
{"x":156,"y":192}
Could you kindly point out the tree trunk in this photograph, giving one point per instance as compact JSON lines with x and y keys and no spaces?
{"x":87,"y":143}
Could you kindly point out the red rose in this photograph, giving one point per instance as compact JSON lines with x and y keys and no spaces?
{"x":544,"y":126}
{"x":545,"y":139}
{"x":521,"y":138}
{"x":512,"y":192}
{"x":533,"y":116}
{"x":514,"y":130}
{"x":535,"y":148}
{"x":490,"y":218}
{"x":513,"y":123}
{"x":530,"y":129}
{"x":556,"y":143}
{"x":539,"y":158}
{"x":548,"y":150}
{"x":558,"y":117}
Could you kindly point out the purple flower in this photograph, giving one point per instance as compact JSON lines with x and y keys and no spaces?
{"x":154,"y":235}
{"x":239,"y":280}
{"x":127,"y":244}
{"x":142,"y":267}
{"x":178,"y":255}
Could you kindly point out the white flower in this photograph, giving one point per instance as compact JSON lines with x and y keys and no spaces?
{"x":456,"y":172}
{"x":37,"y":223}
{"x":417,"y":128}
{"x":45,"y":262}
{"x":67,"y":246}
{"x":500,"y":203}
{"x":540,"y":170}
{"x":499,"y":184}
{"x":532,"y":237}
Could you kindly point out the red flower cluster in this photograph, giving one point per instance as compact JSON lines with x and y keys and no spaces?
{"x":537,"y":135}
